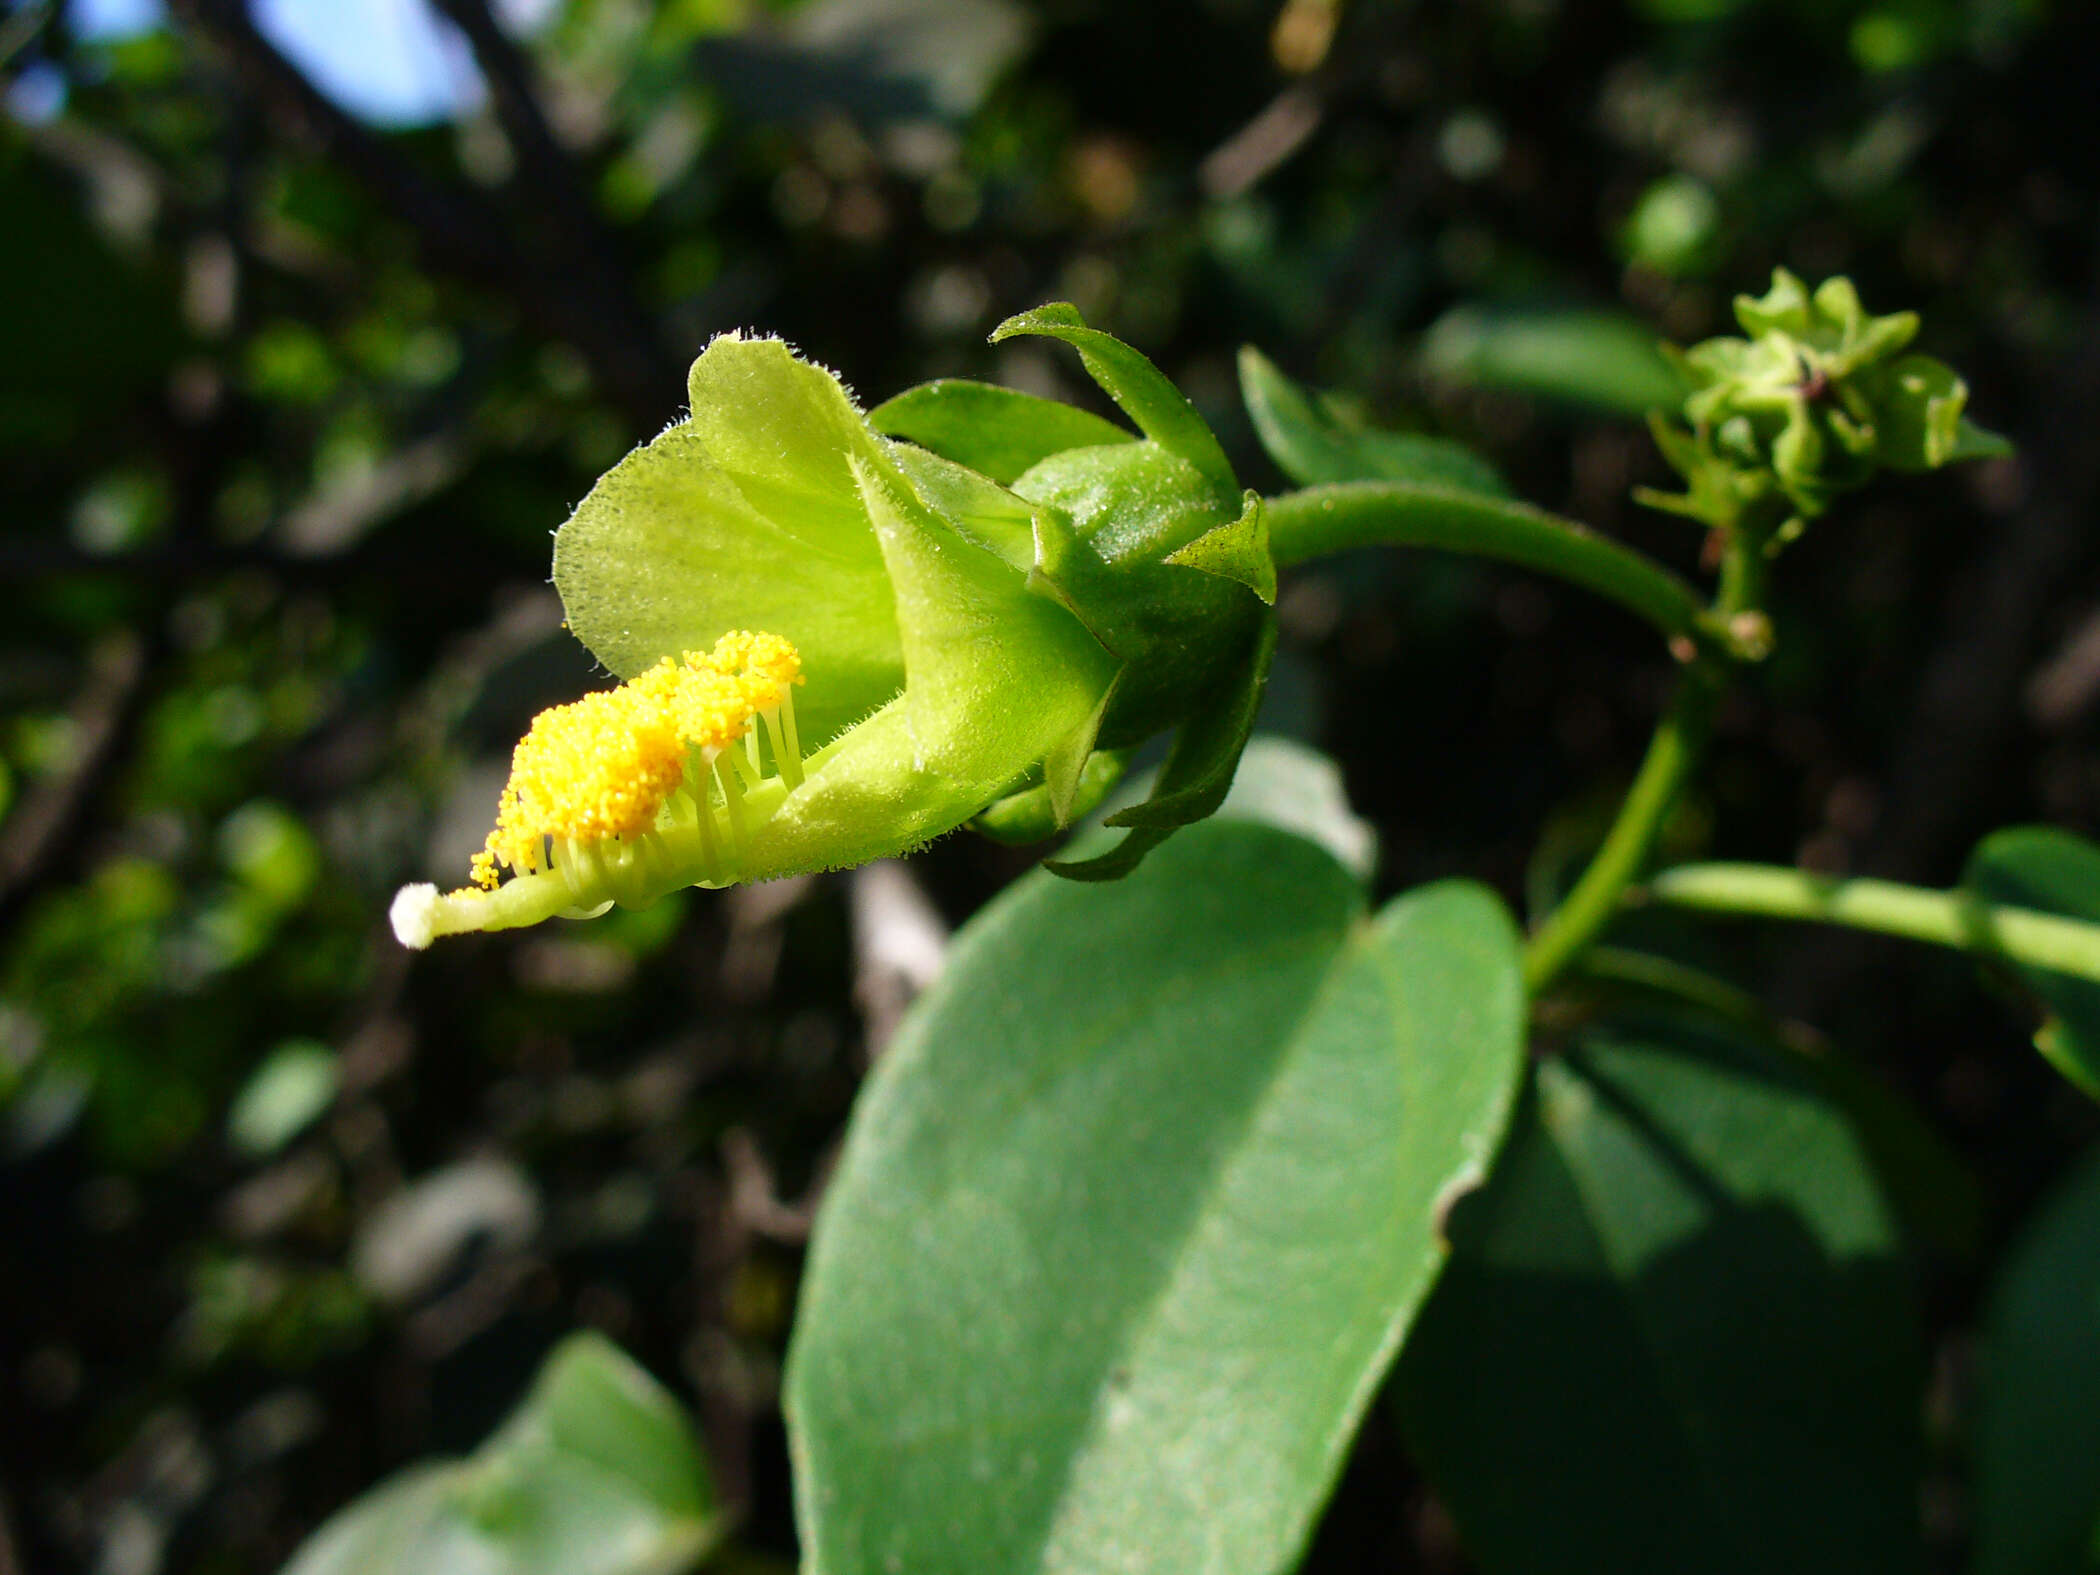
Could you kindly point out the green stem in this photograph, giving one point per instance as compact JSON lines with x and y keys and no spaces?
{"x":1320,"y":520}
{"x":1672,"y":753}
{"x":1958,"y":919}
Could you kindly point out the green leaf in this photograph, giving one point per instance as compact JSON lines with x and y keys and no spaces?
{"x":595,"y":1473}
{"x":1930,"y":1188}
{"x":1311,"y":446}
{"x":1674,"y":1334}
{"x":998,"y":432}
{"x":1135,"y":1211}
{"x":1600,"y":360}
{"x":1162,"y":412}
{"x":1283,"y":783}
{"x":2050,"y":871}
{"x":2038,"y":1434}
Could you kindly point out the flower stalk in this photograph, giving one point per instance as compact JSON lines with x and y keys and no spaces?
{"x":1957,"y":919}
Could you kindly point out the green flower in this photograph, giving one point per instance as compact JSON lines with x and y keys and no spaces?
{"x":1811,"y":405}
{"x":986,"y":598}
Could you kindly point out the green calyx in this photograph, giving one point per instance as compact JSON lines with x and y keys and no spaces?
{"x":1813,"y":403}
{"x":1149,"y":543}
{"x":992,"y":597}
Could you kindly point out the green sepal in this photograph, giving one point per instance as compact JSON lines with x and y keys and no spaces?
{"x":1066,"y":760}
{"x":1197,"y":774}
{"x":1028,"y":815}
{"x":1314,"y":444}
{"x":978,"y":507}
{"x":975,"y":643}
{"x":1162,"y":412}
{"x":998,"y":432}
{"x":1109,"y":520}
{"x":1117,"y":862}
{"x":1238,"y":551}
{"x":1922,"y":425}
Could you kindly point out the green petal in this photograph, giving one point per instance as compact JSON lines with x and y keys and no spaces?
{"x":996,"y":431}
{"x":786,"y":431}
{"x":743,"y":517}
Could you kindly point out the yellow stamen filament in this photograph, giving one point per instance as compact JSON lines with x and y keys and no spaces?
{"x":593,"y":783}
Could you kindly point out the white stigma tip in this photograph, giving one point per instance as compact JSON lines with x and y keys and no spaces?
{"x":415,"y":915}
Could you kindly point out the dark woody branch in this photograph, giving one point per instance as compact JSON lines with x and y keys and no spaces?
{"x":577,"y":294}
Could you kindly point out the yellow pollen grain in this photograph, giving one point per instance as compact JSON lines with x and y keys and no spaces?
{"x":766,"y":666}
{"x":602,"y":767}
{"x":598,"y":768}
{"x":707,"y":706}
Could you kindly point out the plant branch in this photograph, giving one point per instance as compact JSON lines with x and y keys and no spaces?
{"x":590,"y":307}
{"x":1335,"y":518}
{"x":59,"y":810}
{"x":1672,"y":756}
{"x":1956,"y":919}
{"x":575,"y":235}
{"x":541,"y":158}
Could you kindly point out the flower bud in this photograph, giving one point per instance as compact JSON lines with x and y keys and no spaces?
{"x":1816,"y":401}
{"x":974,"y":603}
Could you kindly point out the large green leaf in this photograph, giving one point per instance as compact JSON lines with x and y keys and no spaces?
{"x":595,"y":1473}
{"x":2038,"y":1442}
{"x":2053,"y":871}
{"x":1674,"y":1334}
{"x":1135,"y":1211}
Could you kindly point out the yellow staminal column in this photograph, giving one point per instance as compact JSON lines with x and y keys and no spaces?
{"x":612,"y":797}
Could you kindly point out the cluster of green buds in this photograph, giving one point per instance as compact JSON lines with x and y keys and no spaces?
{"x":1815,"y":401}
{"x":970,"y":603}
